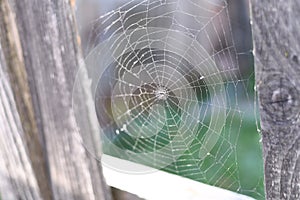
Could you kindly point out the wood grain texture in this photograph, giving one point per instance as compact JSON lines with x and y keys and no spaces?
{"x":277,"y":50}
{"x":39,"y":60}
{"x":14,"y":71}
{"x":16,"y":172}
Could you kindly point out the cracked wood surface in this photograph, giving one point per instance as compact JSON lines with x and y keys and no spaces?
{"x":277,"y":51}
{"x":42,"y":154}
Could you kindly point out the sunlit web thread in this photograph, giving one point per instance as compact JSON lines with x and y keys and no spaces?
{"x":146,"y":43}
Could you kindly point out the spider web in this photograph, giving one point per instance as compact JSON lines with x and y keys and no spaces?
{"x":169,"y":92}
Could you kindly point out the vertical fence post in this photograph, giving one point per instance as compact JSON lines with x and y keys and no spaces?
{"x":41,"y":154}
{"x":277,"y":50}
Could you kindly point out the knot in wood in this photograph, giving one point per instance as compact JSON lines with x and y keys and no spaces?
{"x":279,"y":98}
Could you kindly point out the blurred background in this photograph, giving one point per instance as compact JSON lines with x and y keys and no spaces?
{"x":228,"y":40}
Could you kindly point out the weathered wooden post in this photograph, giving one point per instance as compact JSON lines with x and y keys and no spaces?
{"x":41,"y":154}
{"x":277,"y":49}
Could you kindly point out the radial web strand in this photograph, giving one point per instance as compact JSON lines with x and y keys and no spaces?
{"x":172,"y":91}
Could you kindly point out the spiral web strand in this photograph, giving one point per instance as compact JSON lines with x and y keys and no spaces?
{"x":165,"y":96}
